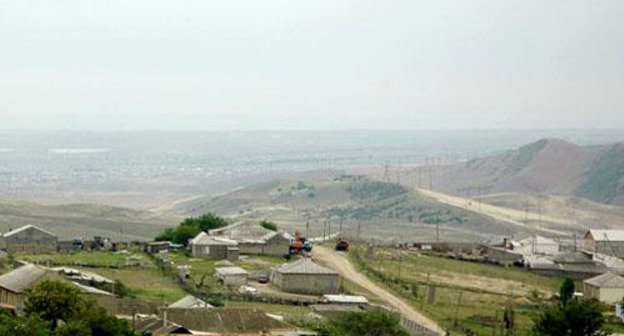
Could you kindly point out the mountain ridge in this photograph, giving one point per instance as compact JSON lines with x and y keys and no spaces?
{"x":550,"y":166}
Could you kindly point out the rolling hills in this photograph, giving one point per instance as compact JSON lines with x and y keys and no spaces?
{"x":85,"y":220}
{"x":360,"y":206}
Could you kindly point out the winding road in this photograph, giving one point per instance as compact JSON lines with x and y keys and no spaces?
{"x":343,"y":266}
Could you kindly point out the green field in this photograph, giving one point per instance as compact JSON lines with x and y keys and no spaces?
{"x":81,"y":258}
{"x":468,"y":295}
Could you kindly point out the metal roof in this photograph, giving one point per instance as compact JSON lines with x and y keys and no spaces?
{"x":231,"y":271}
{"x":21,"y":278}
{"x":352,"y":299}
{"x":607,"y":235}
{"x":607,"y":280}
{"x":91,"y":290}
{"x":190,"y":301}
{"x":204,"y":239}
{"x":304,"y":266}
{"x":24,"y":228}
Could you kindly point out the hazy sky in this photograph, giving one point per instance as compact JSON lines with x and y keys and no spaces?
{"x":198,"y":64}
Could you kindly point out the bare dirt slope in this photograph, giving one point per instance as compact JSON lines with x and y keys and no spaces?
{"x":348,"y":271}
{"x":548,"y":166}
{"x":85,"y":220}
{"x":559,"y":226}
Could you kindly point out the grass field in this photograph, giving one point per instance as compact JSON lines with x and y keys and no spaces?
{"x":468,"y":295}
{"x":80,"y":258}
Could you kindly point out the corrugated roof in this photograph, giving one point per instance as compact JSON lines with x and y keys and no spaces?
{"x":24,"y":228}
{"x":21,"y":278}
{"x":610,"y":235}
{"x":91,"y":290}
{"x":190,"y":301}
{"x":351,"y":299}
{"x":607,"y":280}
{"x":231,"y":271}
{"x":225,"y":320}
{"x":304,"y":266}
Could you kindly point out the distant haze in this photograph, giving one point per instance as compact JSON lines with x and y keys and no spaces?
{"x":320,"y":64}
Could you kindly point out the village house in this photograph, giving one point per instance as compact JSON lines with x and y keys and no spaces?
{"x":13,"y":285}
{"x":219,"y":248}
{"x":608,"y":288}
{"x":610,"y":242}
{"x":28,"y":239}
{"x":230,"y":321}
{"x":537,"y":245}
{"x":305,"y":277}
{"x":252,"y":238}
{"x":232,"y":276}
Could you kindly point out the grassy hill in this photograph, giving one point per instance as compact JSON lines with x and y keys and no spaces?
{"x":85,"y":220}
{"x":358,"y":205}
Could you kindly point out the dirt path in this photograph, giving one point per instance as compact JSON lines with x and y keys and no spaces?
{"x":506,"y":215}
{"x":339,"y":263}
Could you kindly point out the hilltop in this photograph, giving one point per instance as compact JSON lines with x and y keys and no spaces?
{"x":85,"y":220}
{"x":548,"y":166}
{"x":366,"y":208}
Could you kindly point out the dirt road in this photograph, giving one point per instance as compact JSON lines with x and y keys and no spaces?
{"x":507,"y":215}
{"x":340,"y":264}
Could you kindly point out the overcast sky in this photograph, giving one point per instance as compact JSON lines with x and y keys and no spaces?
{"x":197,"y":64}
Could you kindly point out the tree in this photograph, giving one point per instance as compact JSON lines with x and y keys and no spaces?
{"x":23,"y":326}
{"x":53,"y":301}
{"x":191,"y":227}
{"x":362,"y":324}
{"x":566,"y":291}
{"x":576,"y":318}
{"x":268,"y":225}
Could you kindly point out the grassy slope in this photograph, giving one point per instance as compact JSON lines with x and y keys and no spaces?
{"x":485,"y":289}
{"x":385,"y":210}
{"x":605,"y":180}
{"x":85,"y":220}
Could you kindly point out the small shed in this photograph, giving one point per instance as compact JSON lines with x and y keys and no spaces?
{"x":155,"y":247}
{"x":206,"y":246}
{"x":232,"y":276}
{"x":608,"y":287}
{"x":28,"y":239}
{"x":305,"y":277}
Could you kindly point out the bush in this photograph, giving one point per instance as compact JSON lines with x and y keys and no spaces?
{"x":191,"y":227}
{"x":268,"y":225}
{"x":361,"y":324}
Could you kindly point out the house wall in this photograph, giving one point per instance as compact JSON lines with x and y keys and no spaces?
{"x":590,"y":244}
{"x":251,"y":248}
{"x":546,"y":249}
{"x":611,"y":295}
{"x":8,"y":297}
{"x":504,"y":257}
{"x":277,"y":246}
{"x":30,"y":241}
{"x":315,"y":284}
{"x":218,"y":252}
{"x":615,"y":248}
{"x":234,"y":280}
